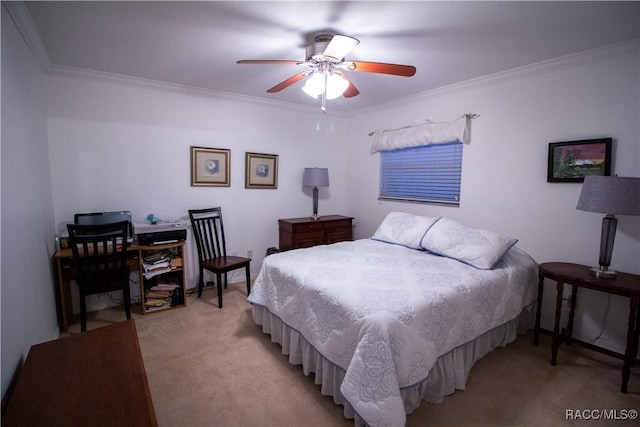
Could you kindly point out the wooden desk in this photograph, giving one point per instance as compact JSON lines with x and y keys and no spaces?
{"x":96,"y":378}
{"x":64,"y":273}
{"x":624,"y":284}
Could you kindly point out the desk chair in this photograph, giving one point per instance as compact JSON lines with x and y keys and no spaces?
{"x":100,"y":257}
{"x":212,"y":250}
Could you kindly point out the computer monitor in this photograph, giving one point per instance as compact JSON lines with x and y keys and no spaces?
{"x":97,"y":218}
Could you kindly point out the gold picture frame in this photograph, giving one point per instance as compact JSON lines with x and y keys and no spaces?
{"x":261,"y":170}
{"x":210,"y":167}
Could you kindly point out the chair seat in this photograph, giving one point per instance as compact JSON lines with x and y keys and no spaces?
{"x":225,"y":263}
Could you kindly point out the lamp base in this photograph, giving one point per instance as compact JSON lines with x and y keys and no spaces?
{"x":315,"y":217}
{"x":603,"y":273}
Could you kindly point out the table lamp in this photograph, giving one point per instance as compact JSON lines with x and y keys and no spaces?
{"x":315,"y":177}
{"x":612,"y":196}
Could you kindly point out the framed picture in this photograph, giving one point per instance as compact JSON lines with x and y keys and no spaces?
{"x":261,"y":170}
{"x":571,"y":161}
{"x":210,"y":167}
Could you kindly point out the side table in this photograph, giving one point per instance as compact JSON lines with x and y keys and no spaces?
{"x":624,"y":284}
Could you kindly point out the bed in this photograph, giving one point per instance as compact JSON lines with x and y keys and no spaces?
{"x":398,"y":318}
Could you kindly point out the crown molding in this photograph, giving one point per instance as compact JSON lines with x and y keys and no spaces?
{"x":22,"y":18}
{"x":556,"y":64}
{"x":84,"y":73}
{"x":543,"y":67}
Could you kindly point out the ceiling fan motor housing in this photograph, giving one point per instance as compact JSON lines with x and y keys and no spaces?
{"x":315,"y":51}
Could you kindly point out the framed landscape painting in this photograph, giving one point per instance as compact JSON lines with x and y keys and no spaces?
{"x":210,"y":167}
{"x":571,"y":161}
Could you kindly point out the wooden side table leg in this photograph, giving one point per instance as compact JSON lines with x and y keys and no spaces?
{"x":631,"y":334}
{"x":574,"y":296}
{"x":536,"y":330}
{"x":556,"y":327}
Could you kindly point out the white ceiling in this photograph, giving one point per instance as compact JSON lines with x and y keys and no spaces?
{"x":198,"y":43}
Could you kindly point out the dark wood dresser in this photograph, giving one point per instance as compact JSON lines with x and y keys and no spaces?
{"x":305,"y":232}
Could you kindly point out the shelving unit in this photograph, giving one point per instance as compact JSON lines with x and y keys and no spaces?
{"x":162,"y":277}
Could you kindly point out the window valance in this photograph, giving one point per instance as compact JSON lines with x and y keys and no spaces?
{"x":425,"y":133}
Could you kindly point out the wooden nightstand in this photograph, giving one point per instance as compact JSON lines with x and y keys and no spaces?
{"x":305,"y":232}
{"x":624,"y":284}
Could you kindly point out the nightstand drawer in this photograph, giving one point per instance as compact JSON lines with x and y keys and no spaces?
{"x":307,"y":240}
{"x":346,"y":223}
{"x":308,"y":227}
{"x":336,"y":235}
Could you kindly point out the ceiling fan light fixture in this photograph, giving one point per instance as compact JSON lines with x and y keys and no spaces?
{"x":334,"y":84}
{"x":314,"y":85}
{"x":326,"y":58}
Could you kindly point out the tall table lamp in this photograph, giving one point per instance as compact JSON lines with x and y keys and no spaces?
{"x":612,"y":196}
{"x":315,"y":177}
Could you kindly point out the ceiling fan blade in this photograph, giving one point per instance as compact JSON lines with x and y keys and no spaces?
{"x":381,"y":67}
{"x":339,"y":46}
{"x":285,"y":84}
{"x":268,"y":61}
{"x":352,"y":90}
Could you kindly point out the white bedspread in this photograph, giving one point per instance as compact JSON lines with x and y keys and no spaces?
{"x":384,"y":313}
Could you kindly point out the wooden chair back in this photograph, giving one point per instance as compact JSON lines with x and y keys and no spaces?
{"x":100,"y":256}
{"x":208,"y":231}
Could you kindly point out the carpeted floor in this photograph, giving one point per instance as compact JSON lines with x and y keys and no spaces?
{"x":212,"y":367}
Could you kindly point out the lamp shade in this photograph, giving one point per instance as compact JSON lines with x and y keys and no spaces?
{"x":610,"y":195}
{"x":315,"y":177}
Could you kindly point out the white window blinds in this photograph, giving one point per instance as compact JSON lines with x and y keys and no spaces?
{"x":427,"y":173}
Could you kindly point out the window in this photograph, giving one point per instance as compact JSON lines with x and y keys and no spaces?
{"x":428,"y":173}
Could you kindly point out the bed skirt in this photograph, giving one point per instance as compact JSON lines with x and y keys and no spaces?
{"x":449,"y":373}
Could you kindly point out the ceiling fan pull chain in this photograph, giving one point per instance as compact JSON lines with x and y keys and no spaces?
{"x":324,"y":94}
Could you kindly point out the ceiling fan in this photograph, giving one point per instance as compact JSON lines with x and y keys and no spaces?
{"x":327,"y":77}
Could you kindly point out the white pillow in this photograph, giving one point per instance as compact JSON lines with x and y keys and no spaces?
{"x":479,"y":248}
{"x":404,"y":229}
